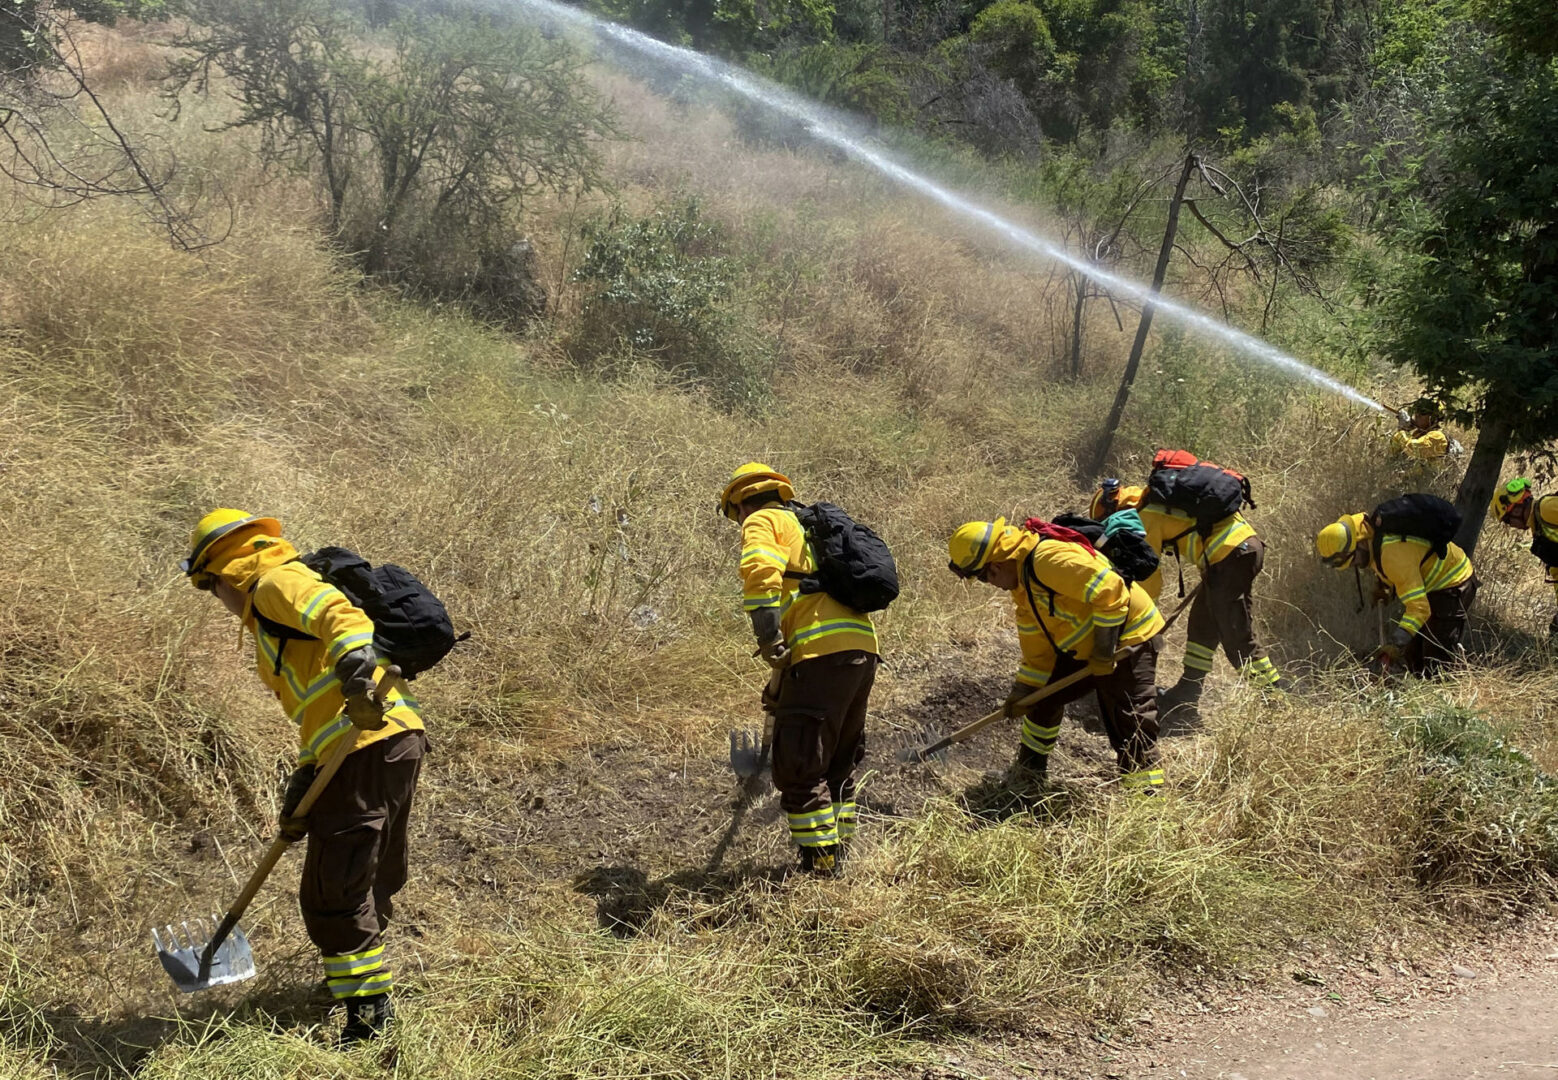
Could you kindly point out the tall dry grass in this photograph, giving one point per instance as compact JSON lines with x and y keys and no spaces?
{"x":570,"y":525}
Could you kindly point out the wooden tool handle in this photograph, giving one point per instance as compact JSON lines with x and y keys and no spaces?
{"x":345,"y":743}
{"x":1039,"y":695}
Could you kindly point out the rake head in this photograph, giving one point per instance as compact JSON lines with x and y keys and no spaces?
{"x":915,"y":754}
{"x":748,"y":753}
{"x":182,"y":952}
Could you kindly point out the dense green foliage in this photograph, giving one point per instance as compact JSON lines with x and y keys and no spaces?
{"x":658,"y":288}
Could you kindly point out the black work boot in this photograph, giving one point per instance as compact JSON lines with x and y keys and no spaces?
{"x":823,"y":860}
{"x":1179,"y":708}
{"x":1029,"y":773}
{"x":366,"y":1018}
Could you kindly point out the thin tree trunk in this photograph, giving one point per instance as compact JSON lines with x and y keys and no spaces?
{"x":1482,"y":473}
{"x":1106,"y":437}
{"x":1076,"y":327}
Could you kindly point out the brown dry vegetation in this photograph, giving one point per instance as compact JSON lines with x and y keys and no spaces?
{"x":587,"y":898}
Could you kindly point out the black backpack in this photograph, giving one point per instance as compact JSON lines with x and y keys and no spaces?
{"x":853,"y":564}
{"x":1128,"y":550}
{"x":1208,"y":493}
{"x":410,"y":625}
{"x":1419,"y":515}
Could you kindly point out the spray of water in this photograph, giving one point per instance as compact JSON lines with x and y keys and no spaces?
{"x":835,"y":130}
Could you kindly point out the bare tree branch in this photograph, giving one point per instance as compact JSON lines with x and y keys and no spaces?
{"x":60,"y":143}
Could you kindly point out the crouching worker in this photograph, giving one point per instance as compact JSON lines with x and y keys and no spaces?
{"x":1074,"y":611}
{"x":1518,"y":507}
{"x":314,"y":651}
{"x":1406,"y":543}
{"x":826,"y":654}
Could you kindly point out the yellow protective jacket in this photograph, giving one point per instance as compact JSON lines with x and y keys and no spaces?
{"x":1428,"y":446}
{"x":1174,"y":531}
{"x":1409,"y":566}
{"x":302,"y":673}
{"x":1085,"y":592}
{"x":772,"y":541}
{"x":1544,"y":523}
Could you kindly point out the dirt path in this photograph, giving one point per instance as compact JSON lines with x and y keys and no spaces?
{"x":1485,"y":1007}
{"x":1508,"y":1029}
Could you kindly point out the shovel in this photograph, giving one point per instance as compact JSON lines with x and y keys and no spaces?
{"x":198,"y":960}
{"x":749,"y":750}
{"x":923,"y":753}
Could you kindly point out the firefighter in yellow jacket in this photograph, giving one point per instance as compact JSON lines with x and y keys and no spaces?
{"x":1436,"y":592}
{"x":827,"y":654}
{"x":1074,"y":611}
{"x":1516,"y":505}
{"x":1420,"y":438}
{"x":314,"y":652}
{"x":1230,"y":558}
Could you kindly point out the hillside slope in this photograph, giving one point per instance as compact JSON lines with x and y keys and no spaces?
{"x":588,"y":898}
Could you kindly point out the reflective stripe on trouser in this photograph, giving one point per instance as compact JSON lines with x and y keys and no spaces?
{"x":1223,"y":612}
{"x":1038,"y":737}
{"x":1261,"y":671}
{"x":358,"y":974}
{"x":1142,"y":779}
{"x":1198,"y":657}
{"x":1127,"y":700}
{"x":844,"y":820}
{"x":814,"y":829}
{"x":819,"y":742}
{"x":357,"y":861}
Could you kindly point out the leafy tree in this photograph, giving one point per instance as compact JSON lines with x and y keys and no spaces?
{"x":423,"y":143}
{"x":1476,"y":308}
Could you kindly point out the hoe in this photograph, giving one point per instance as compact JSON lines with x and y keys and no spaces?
{"x":196,"y":959}
{"x":938,"y":748}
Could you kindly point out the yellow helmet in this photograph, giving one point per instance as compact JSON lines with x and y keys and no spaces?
{"x":971,"y":545}
{"x":1509,"y":496}
{"x":1336,"y":542}
{"x":751,"y":479}
{"x":219,"y":525}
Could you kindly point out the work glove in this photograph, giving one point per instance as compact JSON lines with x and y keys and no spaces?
{"x":292,"y":827}
{"x":1383,"y":593}
{"x":1106,"y":640}
{"x":356,"y":670}
{"x":1010,"y":707}
{"x":1395,"y":645}
{"x":1404,"y":418}
{"x":770,"y":638}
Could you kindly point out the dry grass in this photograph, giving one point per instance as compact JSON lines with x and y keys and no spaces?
{"x":570,"y":525}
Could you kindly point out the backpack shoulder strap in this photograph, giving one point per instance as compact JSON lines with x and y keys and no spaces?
{"x":271,"y":628}
{"x":1029,"y":577}
{"x":797,"y":509}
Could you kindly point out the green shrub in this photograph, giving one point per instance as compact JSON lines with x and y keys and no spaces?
{"x":1488,"y":816}
{"x":659,"y":289}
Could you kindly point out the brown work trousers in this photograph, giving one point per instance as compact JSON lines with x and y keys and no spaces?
{"x":820,"y":736}
{"x":1222,"y":612}
{"x":1127,"y":700}
{"x":1439,"y":641}
{"x":357,"y":858}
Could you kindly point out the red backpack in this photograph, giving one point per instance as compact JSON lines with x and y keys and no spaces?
{"x":1205,"y":491}
{"x":1048,"y":530}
